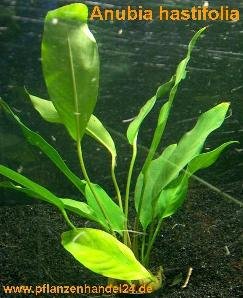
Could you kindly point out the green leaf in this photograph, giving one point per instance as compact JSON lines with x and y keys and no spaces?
{"x":134,"y":126}
{"x":174,"y":195}
{"x":165,"y":110}
{"x":79,"y":208}
{"x":36,"y":140}
{"x":181,"y":69}
{"x":11,"y":185}
{"x":159,"y":130}
{"x":171,"y":198}
{"x":147,"y":208}
{"x":97,"y":131}
{"x":94,"y":129}
{"x":45,"y":108}
{"x":32,"y":187}
{"x":167,"y":167}
{"x":104,"y":254}
{"x":70,"y":63}
{"x":205,"y":160}
{"x":147,"y":196}
{"x":112,"y":210}
{"x":189,"y":146}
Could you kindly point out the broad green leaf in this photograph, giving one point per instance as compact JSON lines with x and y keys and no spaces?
{"x":36,"y":140}
{"x":32,"y":187}
{"x":165,"y":110}
{"x":189,"y":146}
{"x":112,"y":210}
{"x":104,"y":254}
{"x":70,"y":63}
{"x":167,"y":167}
{"x":147,"y":208}
{"x":94,"y":129}
{"x":80,"y":208}
{"x":172,"y":197}
{"x":134,"y":126}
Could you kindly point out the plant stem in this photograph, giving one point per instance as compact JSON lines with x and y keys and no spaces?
{"x":129,"y":178}
{"x":81,"y":160}
{"x":136,"y":223}
{"x":151,"y":242}
{"x":135,"y":238}
{"x":143,"y":247}
{"x":113,"y":175}
{"x":70,"y":224}
{"x":150,"y":234}
{"x":118,"y":193}
{"x":78,"y":139}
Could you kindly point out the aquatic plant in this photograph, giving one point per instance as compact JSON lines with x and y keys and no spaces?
{"x":120,"y":248}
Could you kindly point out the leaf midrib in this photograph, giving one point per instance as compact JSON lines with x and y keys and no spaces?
{"x":76,"y":105}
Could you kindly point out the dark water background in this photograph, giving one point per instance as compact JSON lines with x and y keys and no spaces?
{"x":135,"y":58}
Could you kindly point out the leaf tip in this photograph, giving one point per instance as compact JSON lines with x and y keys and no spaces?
{"x":71,"y":12}
{"x":225,"y":105}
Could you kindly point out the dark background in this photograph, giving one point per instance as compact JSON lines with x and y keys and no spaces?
{"x":136,"y":57}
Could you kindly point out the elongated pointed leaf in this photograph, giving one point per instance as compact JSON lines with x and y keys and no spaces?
{"x":33,"y":187}
{"x":145,"y":214}
{"x":77,"y":207}
{"x":167,"y":167}
{"x":11,"y":185}
{"x":189,"y":146}
{"x":181,"y":69}
{"x":94,"y":129}
{"x":159,"y":130}
{"x":112,"y":210}
{"x":165,"y":110}
{"x":36,"y":140}
{"x":104,"y":254}
{"x":174,"y":195}
{"x":134,"y":126}
{"x":70,"y":63}
{"x":206,"y":159}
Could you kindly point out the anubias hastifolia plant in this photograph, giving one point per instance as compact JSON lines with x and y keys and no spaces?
{"x":120,"y":249}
